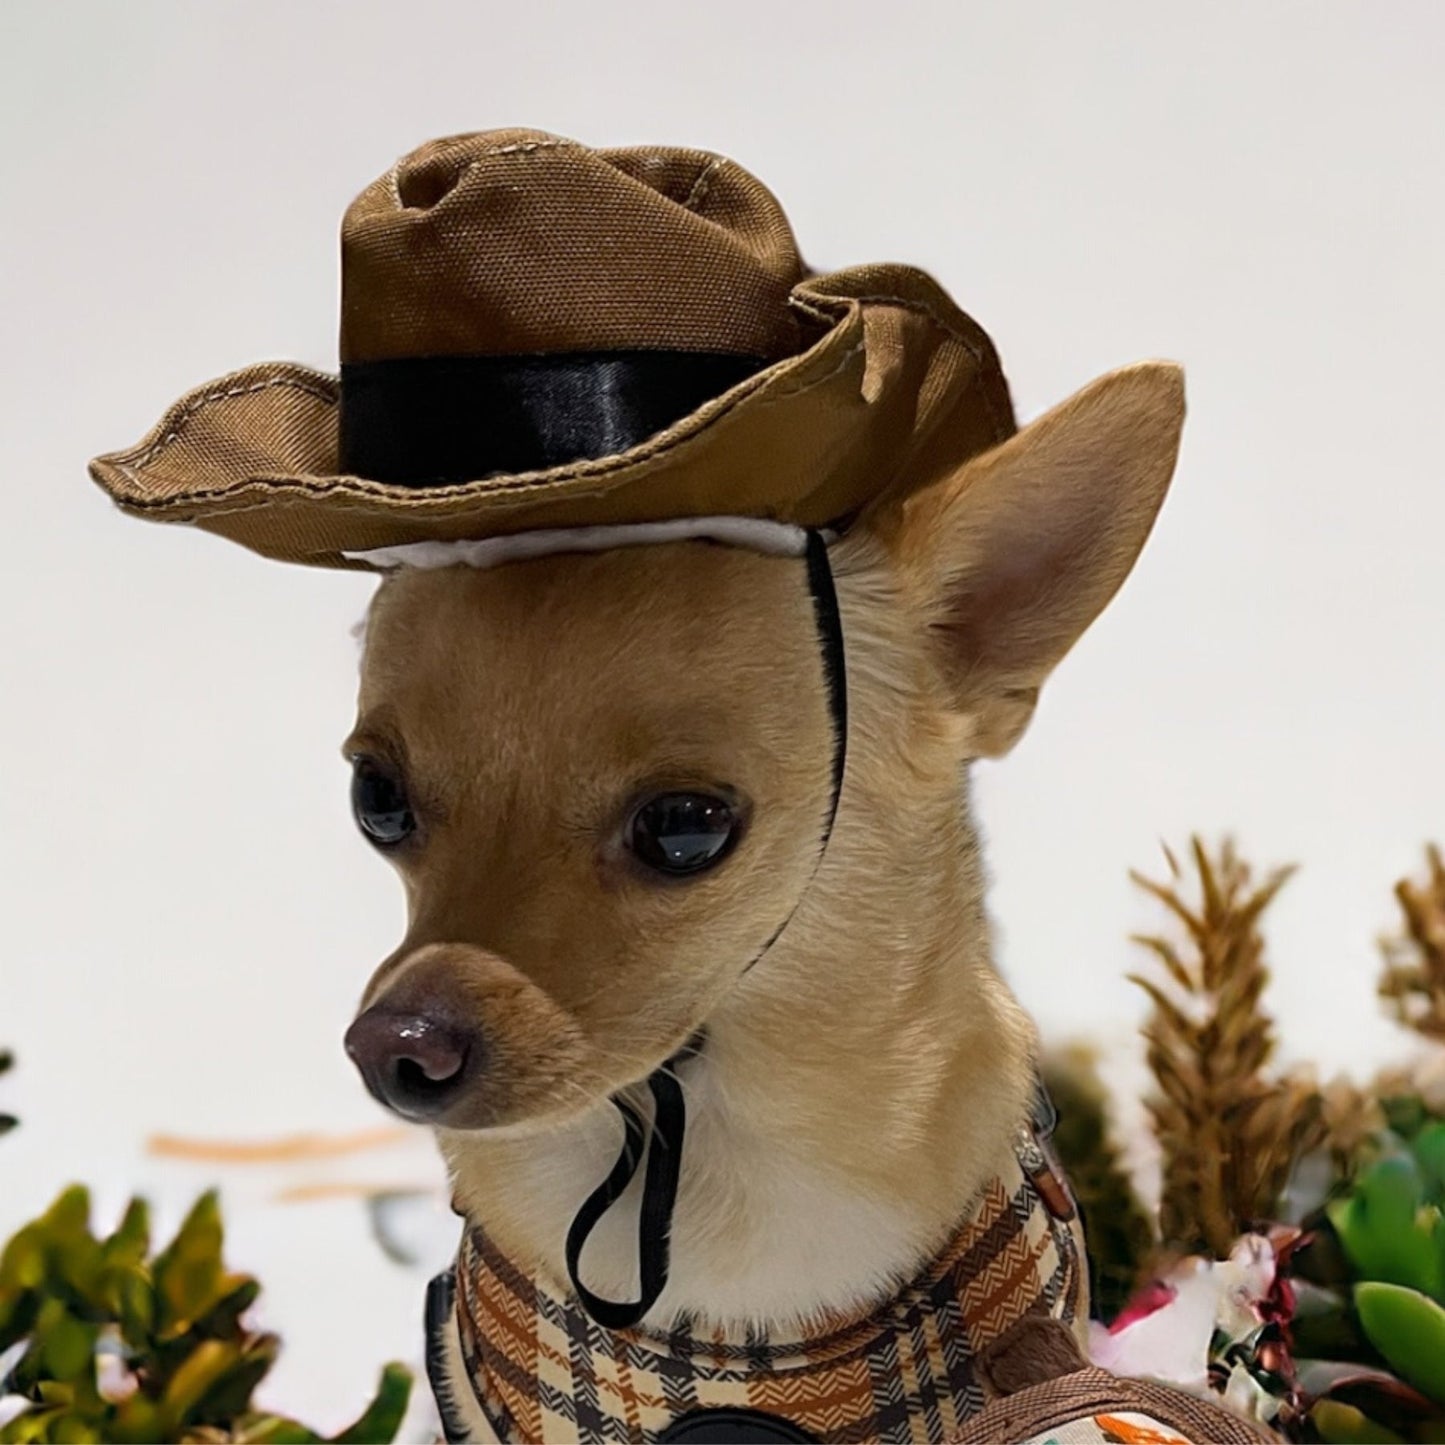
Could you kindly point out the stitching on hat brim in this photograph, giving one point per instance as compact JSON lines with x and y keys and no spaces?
{"x":328,"y":394}
{"x":359,"y":490}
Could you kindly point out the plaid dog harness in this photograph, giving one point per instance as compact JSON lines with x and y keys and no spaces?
{"x":513,"y":1356}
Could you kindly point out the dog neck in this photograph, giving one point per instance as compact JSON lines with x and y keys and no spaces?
{"x":858,"y":1089}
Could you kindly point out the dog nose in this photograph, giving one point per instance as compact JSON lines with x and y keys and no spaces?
{"x":416,"y":1066}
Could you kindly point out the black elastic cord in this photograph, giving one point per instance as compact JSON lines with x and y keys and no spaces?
{"x":663,"y":1149}
{"x":835,"y":677}
{"x":662,"y":1146}
{"x":835,"y":671}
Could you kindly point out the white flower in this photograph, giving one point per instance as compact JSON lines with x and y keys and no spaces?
{"x":1201,"y":1296}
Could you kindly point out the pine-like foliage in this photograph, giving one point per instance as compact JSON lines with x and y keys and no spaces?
{"x":1229,"y":1132}
{"x":1414,"y":974}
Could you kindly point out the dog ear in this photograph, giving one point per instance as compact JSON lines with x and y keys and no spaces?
{"x":1016,"y":555}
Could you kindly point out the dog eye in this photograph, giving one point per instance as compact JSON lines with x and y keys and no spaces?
{"x":380,"y":804}
{"x":680,"y":833}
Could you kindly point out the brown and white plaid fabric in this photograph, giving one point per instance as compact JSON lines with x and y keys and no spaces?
{"x":541,"y":1370}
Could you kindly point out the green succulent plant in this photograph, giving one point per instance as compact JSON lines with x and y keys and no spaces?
{"x":123,"y":1346}
{"x":1370,"y":1306}
{"x":1390,"y":1222}
{"x":1408,"y":1330}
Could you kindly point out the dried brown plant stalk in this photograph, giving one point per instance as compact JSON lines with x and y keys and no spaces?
{"x":1414,"y":976}
{"x":1228,"y":1131}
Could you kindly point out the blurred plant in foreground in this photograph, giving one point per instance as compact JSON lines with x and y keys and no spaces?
{"x":1119,"y":1230}
{"x":1301,"y":1264}
{"x":117,"y":1345}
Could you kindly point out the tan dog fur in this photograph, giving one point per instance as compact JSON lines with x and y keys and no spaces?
{"x":863,"y":1081}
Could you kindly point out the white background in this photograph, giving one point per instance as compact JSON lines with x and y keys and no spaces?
{"x":1254,"y":189}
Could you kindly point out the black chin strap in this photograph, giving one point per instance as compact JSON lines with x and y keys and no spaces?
{"x":663,"y":1148}
{"x":661,"y":1142}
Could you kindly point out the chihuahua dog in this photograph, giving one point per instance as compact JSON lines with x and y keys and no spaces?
{"x":705,"y":578}
{"x":603,"y":780}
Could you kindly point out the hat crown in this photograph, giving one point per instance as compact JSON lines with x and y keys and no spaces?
{"x":519,"y":242}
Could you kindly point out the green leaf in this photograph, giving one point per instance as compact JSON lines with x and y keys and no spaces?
{"x":382,"y":1418}
{"x":125,"y":1289}
{"x":32,"y":1425}
{"x":135,"y":1421}
{"x":230,"y":1395}
{"x":22,"y":1265}
{"x":66,"y":1344}
{"x":209,"y":1362}
{"x":223,"y":1318}
{"x":1408,"y":1329}
{"x":274,"y":1430}
{"x":69,"y":1216}
{"x":1341,"y":1424}
{"x":1386,"y":1228}
{"x":131,"y":1241}
{"x":132,"y":1301}
{"x":73,"y":1429}
{"x":1428,"y":1147}
{"x":188,"y":1273}
{"x":73,"y":1252}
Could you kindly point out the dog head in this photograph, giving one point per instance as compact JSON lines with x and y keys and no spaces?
{"x":604,"y":779}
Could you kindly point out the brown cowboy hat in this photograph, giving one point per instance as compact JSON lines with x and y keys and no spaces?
{"x":535,"y":334}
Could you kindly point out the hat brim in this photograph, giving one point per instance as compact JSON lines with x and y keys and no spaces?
{"x":901,"y":388}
